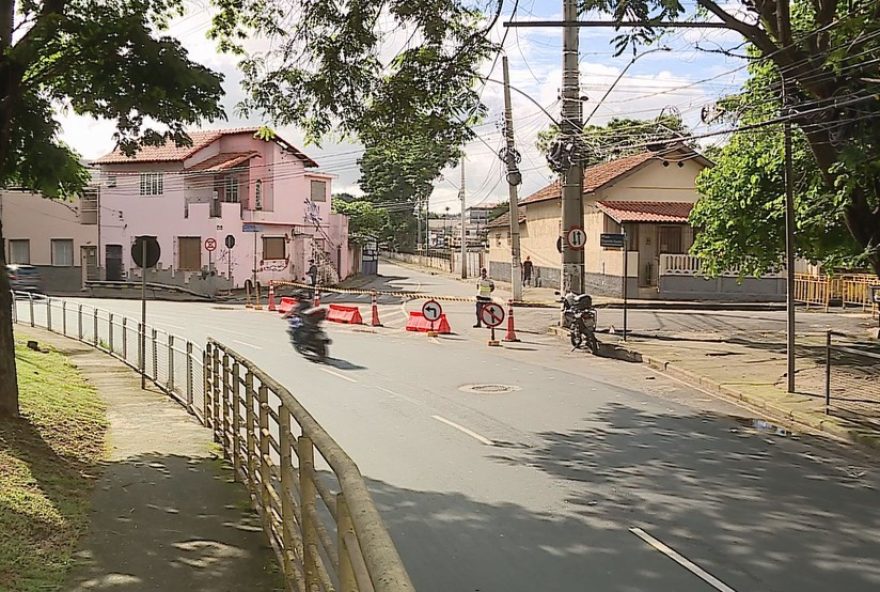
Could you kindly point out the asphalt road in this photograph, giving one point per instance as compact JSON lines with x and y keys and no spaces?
{"x":589,"y":474}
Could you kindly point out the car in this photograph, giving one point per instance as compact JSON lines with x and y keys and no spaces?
{"x":24,"y":278}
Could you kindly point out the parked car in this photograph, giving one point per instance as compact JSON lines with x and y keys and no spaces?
{"x":24,"y":278}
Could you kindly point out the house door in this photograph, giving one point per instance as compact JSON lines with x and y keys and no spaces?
{"x":647,"y":246}
{"x":113,"y":262}
{"x":189,"y":253}
{"x":89,"y":262}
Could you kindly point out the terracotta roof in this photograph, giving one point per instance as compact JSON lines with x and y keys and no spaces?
{"x":503,"y":221}
{"x":647,"y":211}
{"x":169,"y":152}
{"x":223,"y":161}
{"x":595,"y":177}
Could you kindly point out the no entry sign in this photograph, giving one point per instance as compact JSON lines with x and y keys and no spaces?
{"x":210,"y":244}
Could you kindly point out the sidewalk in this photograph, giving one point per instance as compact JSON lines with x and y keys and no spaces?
{"x":165,"y":515}
{"x":751,"y":370}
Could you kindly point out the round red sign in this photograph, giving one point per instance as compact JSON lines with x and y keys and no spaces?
{"x":210,"y":244}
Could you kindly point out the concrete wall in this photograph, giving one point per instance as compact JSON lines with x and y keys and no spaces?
{"x":722,"y":288}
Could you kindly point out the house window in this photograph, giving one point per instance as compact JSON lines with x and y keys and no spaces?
{"x":274,"y":247}
{"x":231,"y":193}
{"x":189,"y":253}
{"x":319,"y":190}
{"x":111,"y":180}
{"x":20,"y":251}
{"x":62,"y":252}
{"x":152,"y":184}
{"x":258,"y":195}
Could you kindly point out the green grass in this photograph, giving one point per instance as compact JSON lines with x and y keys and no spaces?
{"x":48,"y":464}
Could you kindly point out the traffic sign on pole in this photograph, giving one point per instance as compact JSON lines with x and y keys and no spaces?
{"x":210,"y":244}
{"x":491,"y":314}
{"x":432,"y":310}
{"x":576,"y":238}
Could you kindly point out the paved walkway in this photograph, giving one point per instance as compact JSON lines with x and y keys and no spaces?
{"x":752,"y":369}
{"x":165,"y":514}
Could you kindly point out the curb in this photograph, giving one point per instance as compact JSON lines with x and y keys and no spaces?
{"x":785,"y":417}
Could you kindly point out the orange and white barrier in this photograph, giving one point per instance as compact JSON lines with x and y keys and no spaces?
{"x":349,"y":315}
{"x":418,"y":322}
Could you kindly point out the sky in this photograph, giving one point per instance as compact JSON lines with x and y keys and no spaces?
{"x":683,"y":79}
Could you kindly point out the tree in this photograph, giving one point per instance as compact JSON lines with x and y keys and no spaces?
{"x":364,"y":218}
{"x":621,"y":136}
{"x":741,"y":212}
{"x":94,"y":57}
{"x":499,"y":209}
{"x":819,"y":48}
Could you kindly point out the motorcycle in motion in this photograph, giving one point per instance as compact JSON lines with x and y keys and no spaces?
{"x":305,"y":331}
{"x":580,"y":318}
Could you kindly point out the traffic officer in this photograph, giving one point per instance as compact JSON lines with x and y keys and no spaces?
{"x":485,"y":287}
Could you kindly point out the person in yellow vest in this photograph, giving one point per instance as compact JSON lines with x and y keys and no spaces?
{"x":485,"y":287}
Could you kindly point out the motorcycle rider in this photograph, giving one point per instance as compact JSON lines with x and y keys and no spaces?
{"x":296,"y":323}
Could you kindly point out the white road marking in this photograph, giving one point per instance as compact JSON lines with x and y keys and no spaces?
{"x":682,"y":560}
{"x":464,"y":430}
{"x":338,"y":375}
{"x":246,"y":344}
{"x":394,"y":394}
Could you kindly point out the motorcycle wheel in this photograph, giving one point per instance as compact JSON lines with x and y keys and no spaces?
{"x":321,"y":350}
{"x":593,"y":343}
{"x":576,"y":338}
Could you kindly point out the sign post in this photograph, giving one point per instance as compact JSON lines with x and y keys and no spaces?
{"x":618,"y":241}
{"x":145,"y":252}
{"x":254,"y":229}
{"x":492,"y":315}
{"x":229,"y":242}
{"x":432,"y":311}
{"x":211,"y":246}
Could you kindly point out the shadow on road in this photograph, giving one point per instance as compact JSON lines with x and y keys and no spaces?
{"x":764,"y":511}
{"x":340,"y":364}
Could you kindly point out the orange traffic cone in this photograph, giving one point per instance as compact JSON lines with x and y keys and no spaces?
{"x":375,"y":322}
{"x":272,"y":297}
{"x":511,"y":332}
{"x":317,"y":299}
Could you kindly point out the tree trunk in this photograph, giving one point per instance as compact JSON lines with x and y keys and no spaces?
{"x":8,"y":375}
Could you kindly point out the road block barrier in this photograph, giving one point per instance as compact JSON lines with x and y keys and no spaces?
{"x":349,"y":315}
{"x":286,"y":305}
{"x":418,"y":322}
{"x":409,"y":295}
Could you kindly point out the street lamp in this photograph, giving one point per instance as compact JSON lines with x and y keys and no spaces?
{"x":619,"y":77}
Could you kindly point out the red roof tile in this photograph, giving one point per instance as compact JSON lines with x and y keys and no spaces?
{"x":503,"y":221}
{"x":222,"y":162}
{"x":169,"y":152}
{"x":595,"y":177}
{"x":647,"y":211}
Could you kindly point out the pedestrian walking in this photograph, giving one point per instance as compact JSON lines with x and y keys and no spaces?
{"x":485,"y":287}
{"x":527,"y":271}
{"x":313,"y":276}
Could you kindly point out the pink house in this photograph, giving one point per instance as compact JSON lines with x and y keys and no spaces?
{"x":228,"y":186}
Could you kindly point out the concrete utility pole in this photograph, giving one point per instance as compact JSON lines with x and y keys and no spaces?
{"x":790,"y":325}
{"x":463,"y":245}
{"x":573,"y":177}
{"x":514,"y":178}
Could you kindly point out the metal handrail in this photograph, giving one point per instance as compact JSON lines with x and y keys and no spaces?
{"x":378,"y":553}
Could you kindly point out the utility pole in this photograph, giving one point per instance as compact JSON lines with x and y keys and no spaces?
{"x":790,"y":325}
{"x":573,"y":176}
{"x":463,"y":246}
{"x":514,"y":178}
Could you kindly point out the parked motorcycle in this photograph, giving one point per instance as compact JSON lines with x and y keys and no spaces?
{"x":306,"y":333}
{"x":580,"y":318}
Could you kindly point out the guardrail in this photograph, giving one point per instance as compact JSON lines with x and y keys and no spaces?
{"x":342,"y":545}
{"x":342,"y":542}
{"x":172,"y":363}
{"x":813,"y":291}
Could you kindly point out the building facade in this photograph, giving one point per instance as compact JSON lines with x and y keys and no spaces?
{"x":647,"y":196}
{"x":59,"y":237}
{"x":259,"y":203}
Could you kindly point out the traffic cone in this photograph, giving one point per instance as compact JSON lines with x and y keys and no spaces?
{"x":511,"y":332}
{"x":272,"y":297}
{"x":317,"y":300}
{"x":375,"y":322}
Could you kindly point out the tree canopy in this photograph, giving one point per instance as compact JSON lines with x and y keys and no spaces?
{"x":106,"y":59}
{"x":364,"y":218}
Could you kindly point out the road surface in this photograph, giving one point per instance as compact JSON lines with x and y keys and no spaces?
{"x":585,"y":474}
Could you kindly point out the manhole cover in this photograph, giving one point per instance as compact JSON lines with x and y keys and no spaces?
{"x":488,"y":389}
